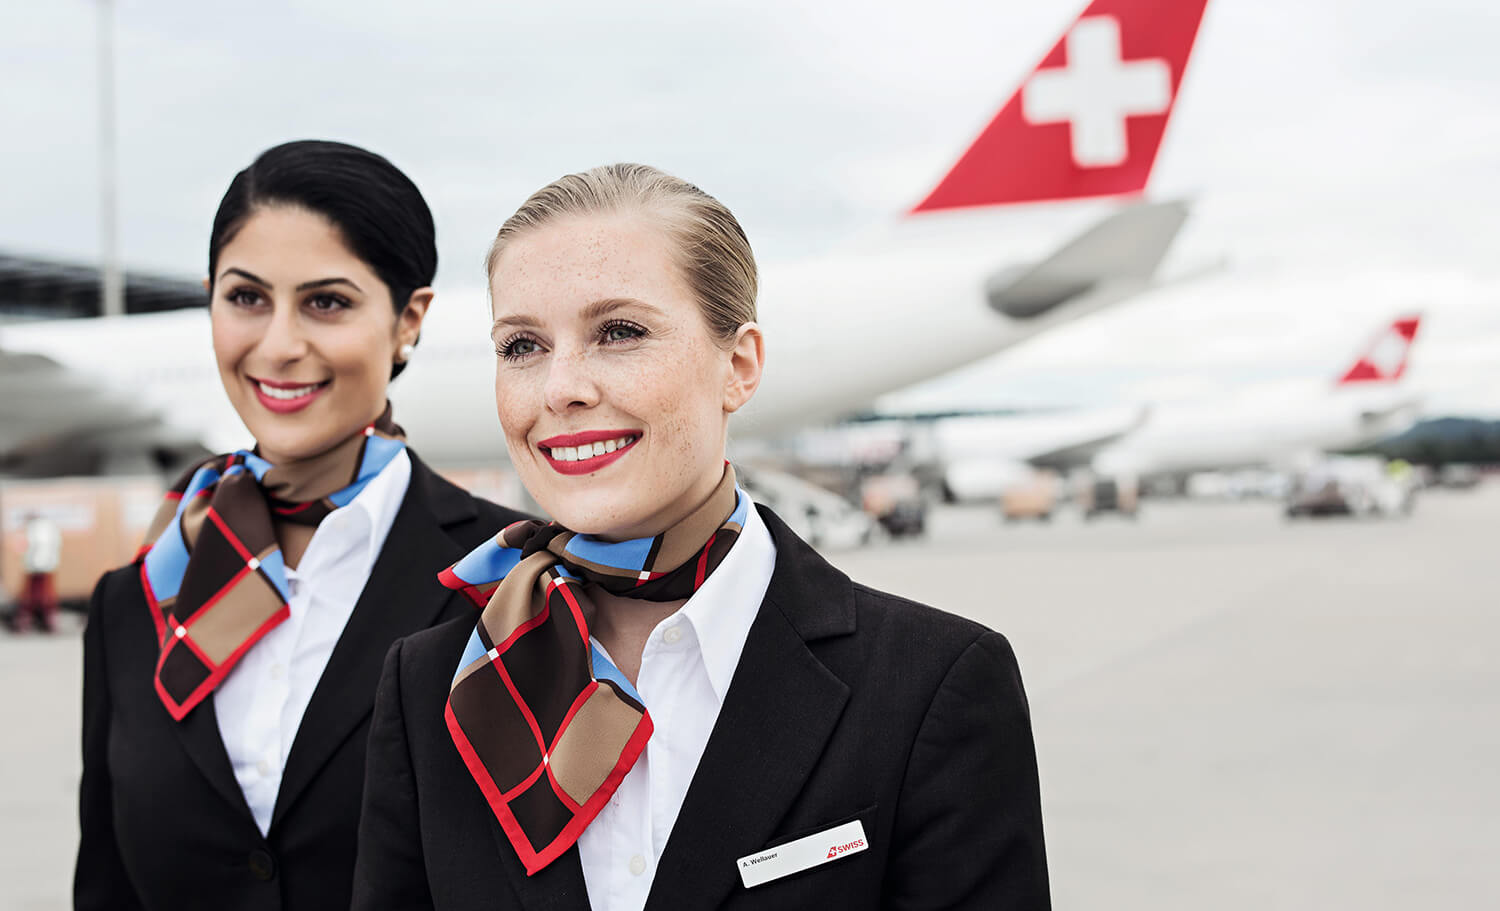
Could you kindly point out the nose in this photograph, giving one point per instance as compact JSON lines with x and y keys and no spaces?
{"x":284,"y":341}
{"x":570,"y":383}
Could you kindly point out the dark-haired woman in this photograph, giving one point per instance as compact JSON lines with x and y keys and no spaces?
{"x":229,"y":673}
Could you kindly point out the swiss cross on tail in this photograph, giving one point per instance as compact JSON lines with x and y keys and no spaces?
{"x":1089,"y":119}
{"x":1384,"y":361}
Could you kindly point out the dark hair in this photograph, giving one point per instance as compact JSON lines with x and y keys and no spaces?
{"x":380,"y":212}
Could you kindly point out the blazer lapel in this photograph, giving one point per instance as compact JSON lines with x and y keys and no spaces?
{"x":780,"y":710}
{"x":400,"y":597}
{"x":199,"y":733}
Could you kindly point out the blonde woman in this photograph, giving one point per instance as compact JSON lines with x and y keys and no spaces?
{"x":669,"y":700}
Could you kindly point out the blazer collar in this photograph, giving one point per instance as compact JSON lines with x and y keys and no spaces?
{"x":399,"y":598}
{"x":781,"y":709}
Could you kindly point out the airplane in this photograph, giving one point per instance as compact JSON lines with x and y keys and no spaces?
{"x":979,"y":457}
{"x":1041,"y":221}
{"x":1276,"y":425}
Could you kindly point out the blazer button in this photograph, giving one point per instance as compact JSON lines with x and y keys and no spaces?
{"x":262,"y":867}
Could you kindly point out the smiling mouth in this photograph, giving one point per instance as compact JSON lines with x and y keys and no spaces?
{"x":288,"y":393}
{"x":587,"y":451}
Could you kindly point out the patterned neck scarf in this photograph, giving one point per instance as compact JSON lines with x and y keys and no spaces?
{"x":212,"y":570}
{"x":547,"y":725}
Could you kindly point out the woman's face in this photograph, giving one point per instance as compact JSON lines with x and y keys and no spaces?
{"x":612,"y":394}
{"x":304,"y":332}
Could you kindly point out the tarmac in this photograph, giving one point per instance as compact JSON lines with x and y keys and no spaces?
{"x":1231,"y":710}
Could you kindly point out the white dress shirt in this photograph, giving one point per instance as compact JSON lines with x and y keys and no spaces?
{"x":260,"y":704}
{"x":686,"y":668}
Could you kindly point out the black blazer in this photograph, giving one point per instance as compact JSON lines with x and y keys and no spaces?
{"x":848,"y":703}
{"x":164,"y":823}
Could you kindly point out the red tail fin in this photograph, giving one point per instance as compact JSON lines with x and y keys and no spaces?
{"x":1384,"y":360}
{"x":1089,"y":119}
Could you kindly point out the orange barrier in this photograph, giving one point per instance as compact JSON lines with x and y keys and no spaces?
{"x":102,"y":521}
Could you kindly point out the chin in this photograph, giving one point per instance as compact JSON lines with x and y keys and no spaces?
{"x":597,"y":516}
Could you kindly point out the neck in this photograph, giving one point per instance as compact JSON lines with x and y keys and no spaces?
{"x":622,"y":626}
{"x":684,"y":506}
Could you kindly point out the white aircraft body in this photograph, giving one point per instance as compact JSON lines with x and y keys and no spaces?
{"x":1263,"y":426}
{"x":1059,"y":166}
{"x":1276,"y":425}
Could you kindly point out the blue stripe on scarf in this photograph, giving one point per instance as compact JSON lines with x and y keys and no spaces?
{"x":473,"y":651}
{"x":378,"y":452}
{"x":166,"y":562}
{"x":275,"y":569}
{"x":167,"y":559}
{"x":604,"y":669}
{"x":741,"y":508}
{"x":486,"y":563}
{"x":204,"y":477}
{"x":629,"y":555}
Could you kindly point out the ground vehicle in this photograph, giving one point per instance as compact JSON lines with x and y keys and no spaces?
{"x":823,"y":519}
{"x":895,"y":501}
{"x":1352,"y":486}
{"x":1113,"y":493}
{"x":1036,"y":497}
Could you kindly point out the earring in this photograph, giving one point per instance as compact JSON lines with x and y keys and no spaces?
{"x":404,"y":353}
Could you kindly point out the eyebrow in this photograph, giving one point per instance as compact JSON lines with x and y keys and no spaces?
{"x":596,"y":310}
{"x":319,"y":283}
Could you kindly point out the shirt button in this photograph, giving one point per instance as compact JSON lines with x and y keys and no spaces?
{"x":637,"y":865}
{"x":672,"y":635}
{"x":264,"y":767}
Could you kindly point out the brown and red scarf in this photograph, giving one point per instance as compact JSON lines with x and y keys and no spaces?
{"x":212,"y":570}
{"x":546,"y":724}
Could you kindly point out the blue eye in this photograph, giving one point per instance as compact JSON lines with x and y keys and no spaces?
{"x":517,"y":347}
{"x":621,"y":331}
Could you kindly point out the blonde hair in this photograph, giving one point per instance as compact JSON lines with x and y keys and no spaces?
{"x":712,"y":249}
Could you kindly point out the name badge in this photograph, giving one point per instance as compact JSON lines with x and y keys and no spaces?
{"x":802,"y":854}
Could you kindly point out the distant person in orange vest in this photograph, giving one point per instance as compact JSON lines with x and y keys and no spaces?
{"x":39,"y":597}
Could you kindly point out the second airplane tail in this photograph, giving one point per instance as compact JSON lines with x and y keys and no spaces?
{"x":1384,"y":359}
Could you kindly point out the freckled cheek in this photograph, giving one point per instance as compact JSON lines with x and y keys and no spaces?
{"x":517,"y":404}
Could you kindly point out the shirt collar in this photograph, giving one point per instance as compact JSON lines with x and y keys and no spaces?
{"x":722,"y":610}
{"x":359,"y":528}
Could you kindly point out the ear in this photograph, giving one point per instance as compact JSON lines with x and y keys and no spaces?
{"x":746,"y":361}
{"x":409,"y":320}
{"x":208,"y":284}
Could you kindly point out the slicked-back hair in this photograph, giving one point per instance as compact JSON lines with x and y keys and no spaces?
{"x":377,"y":209}
{"x":711,"y":248}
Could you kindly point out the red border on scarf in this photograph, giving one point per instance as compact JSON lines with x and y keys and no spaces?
{"x":532,"y":859}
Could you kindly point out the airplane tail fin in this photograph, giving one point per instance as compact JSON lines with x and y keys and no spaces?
{"x":1088,"y":121}
{"x":1384,"y":359}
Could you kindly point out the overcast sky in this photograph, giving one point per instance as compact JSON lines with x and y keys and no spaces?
{"x":1343,"y":154}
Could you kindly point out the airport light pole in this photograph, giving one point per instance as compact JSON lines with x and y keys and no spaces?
{"x":111,"y":284}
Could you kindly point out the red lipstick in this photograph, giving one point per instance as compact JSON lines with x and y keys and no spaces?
{"x":553,"y":446}
{"x":286,"y":406}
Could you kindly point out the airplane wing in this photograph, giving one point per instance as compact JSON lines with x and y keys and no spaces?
{"x":54,"y":421}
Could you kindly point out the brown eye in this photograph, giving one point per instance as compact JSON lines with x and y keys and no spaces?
{"x":243,"y":297}
{"x":327,"y":303}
